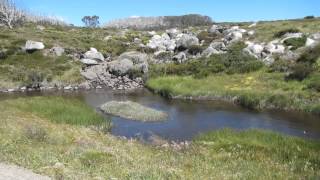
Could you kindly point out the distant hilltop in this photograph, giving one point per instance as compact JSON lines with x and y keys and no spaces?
{"x":160,"y":22}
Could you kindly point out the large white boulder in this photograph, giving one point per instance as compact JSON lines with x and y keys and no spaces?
{"x":173,"y":33}
{"x":186,"y":40}
{"x":217,"y":29}
{"x":256,"y":48}
{"x":274,"y":48}
{"x":234,"y":36}
{"x":57,"y":50}
{"x":120,"y":67}
{"x":251,"y":33}
{"x":310,"y":42}
{"x":34,"y":45}
{"x":89,"y":62}
{"x":162,"y":43}
{"x":315,"y":36}
{"x":180,"y":58}
{"x":94,"y":55}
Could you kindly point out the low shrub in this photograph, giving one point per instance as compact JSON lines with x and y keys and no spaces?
{"x":249,"y":101}
{"x":311,"y":55}
{"x":280,"y":65}
{"x":238,"y":61}
{"x":207,"y":37}
{"x":314,"y":82}
{"x":316,"y":110}
{"x":34,"y":79}
{"x":281,"y":33}
{"x":299,"y":71}
{"x":296,"y":42}
{"x":195,"y":49}
{"x":278,"y":101}
{"x":35,"y":132}
{"x":95,"y":158}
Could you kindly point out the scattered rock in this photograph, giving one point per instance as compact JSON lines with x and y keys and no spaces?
{"x":180,"y":58}
{"x":173,"y":33}
{"x":33,"y":45}
{"x":120,"y":67}
{"x":41,"y":28}
{"x":251,"y":33}
{"x":93,"y":54}
{"x":310,"y":42}
{"x":216,"y":29}
{"x":57,"y":50}
{"x":274,"y":48}
{"x":186,"y":41}
{"x":234,"y":36}
{"x":89,"y":62}
{"x":162,"y":43}
{"x":140,"y":60}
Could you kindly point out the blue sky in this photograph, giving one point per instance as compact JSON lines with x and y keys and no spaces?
{"x":220,"y":10}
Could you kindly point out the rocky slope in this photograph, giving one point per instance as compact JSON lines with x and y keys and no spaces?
{"x":122,"y":59}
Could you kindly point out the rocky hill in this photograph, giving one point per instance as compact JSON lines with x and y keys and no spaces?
{"x":161,"y":22}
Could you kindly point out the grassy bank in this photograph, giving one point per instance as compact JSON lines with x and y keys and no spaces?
{"x":256,"y":90}
{"x":35,"y":139}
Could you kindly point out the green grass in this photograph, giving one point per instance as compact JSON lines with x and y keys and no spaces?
{"x":32,"y":139}
{"x":255,"y":90}
{"x":59,"y":110}
{"x":22,"y":68}
{"x":265,"y":31}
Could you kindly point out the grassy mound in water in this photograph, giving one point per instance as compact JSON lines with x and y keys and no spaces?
{"x":65,"y":151}
{"x":133,"y":111}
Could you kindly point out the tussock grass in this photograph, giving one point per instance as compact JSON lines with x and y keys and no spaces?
{"x":59,"y":110}
{"x":134,"y":111}
{"x":21,"y":69}
{"x":265,"y":31}
{"x":75,"y":152}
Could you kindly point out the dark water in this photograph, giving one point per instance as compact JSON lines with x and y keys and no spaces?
{"x":189,"y":118}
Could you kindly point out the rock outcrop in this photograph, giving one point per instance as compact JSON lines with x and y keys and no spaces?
{"x":34,"y":45}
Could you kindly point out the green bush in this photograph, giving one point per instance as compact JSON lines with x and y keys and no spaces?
{"x":279,"y":101}
{"x":195,"y":49}
{"x":281,"y":33}
{"x":249,"y":101}
{"x":299,"y":71}
{"x":238,"y":61}
{"x":207,"y":37}
{"x":314,"y":82}
{"x":95,"y":158}
{"x":280,"y":65}
{"x":311,"y":55}
{"x":35,"y":132}
{"x":296,"y":42}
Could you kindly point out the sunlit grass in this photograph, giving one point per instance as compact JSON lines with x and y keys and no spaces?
{"x":59,"y":110}
{"x":270,"y":90}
